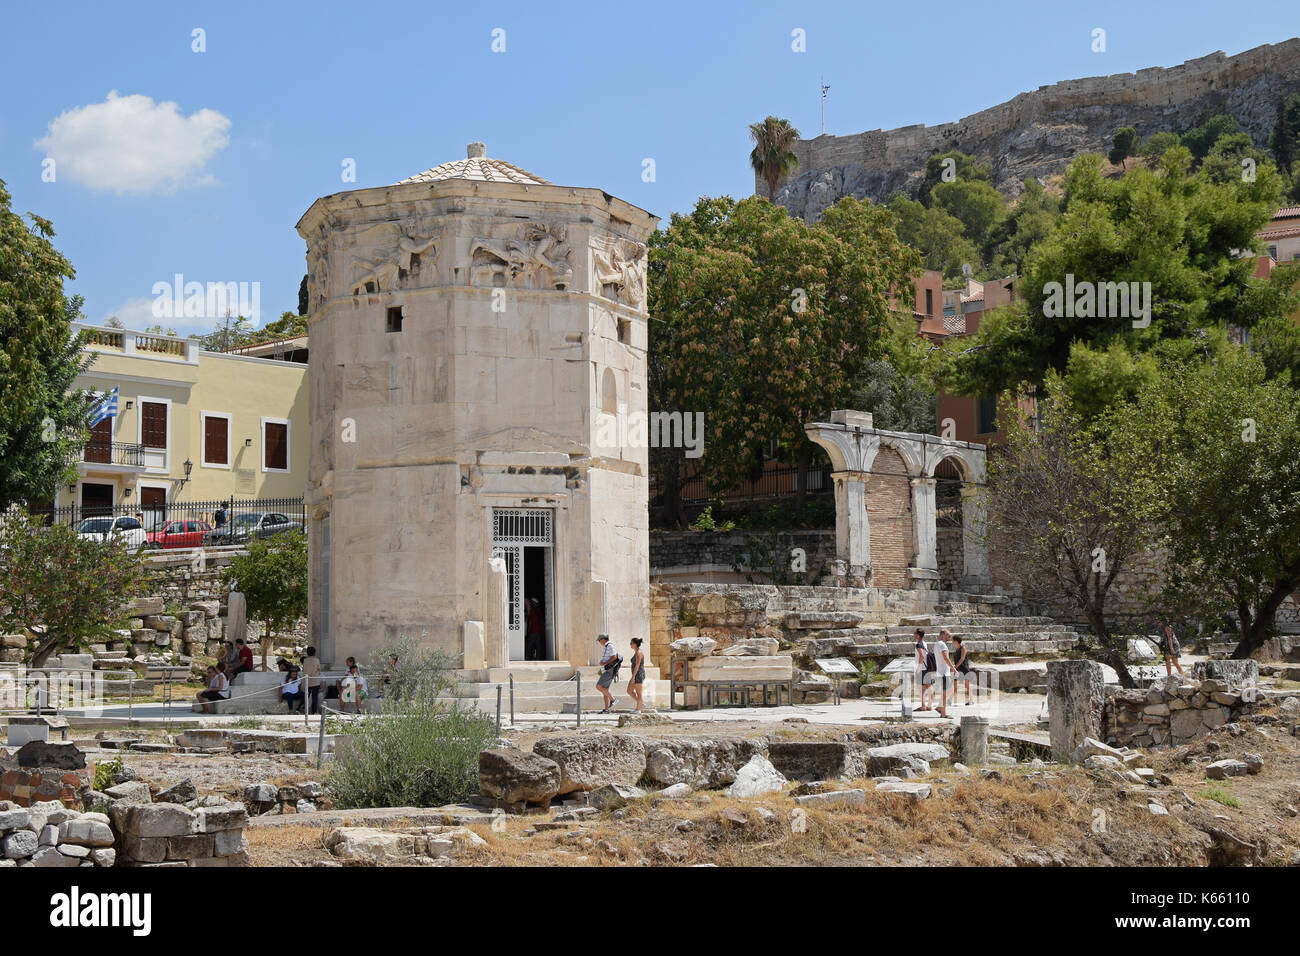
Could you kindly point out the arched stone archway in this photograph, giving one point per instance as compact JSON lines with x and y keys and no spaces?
{"x":869,"y":465}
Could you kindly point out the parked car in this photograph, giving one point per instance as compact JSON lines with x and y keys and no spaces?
{"x":126,"y":527}
{"x":256,"y":524}
{"x":179,"y":534}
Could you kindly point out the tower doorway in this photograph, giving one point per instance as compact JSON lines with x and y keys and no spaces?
{"x":524,"y":538}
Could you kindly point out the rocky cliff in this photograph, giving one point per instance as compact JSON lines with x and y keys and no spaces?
{"x":1039,"y":132}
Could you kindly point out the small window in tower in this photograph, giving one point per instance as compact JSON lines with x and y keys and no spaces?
{"x":624,"y":330}
{"x":394,"y":322}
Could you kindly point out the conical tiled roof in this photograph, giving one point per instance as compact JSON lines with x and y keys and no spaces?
{"x":476,"y":166}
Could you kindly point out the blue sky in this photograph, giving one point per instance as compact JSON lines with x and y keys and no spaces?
{"x":583,"y":93}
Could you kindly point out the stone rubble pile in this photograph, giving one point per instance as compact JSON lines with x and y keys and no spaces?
{"x":48,"y":834}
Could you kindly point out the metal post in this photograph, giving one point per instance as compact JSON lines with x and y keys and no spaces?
{"x":498,"y":710}
{"x":512,"y":700}
{"x":579,"y":675}
{"x":320,"y":741}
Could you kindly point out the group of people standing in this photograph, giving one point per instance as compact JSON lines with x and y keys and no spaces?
{"x":937,"y":665}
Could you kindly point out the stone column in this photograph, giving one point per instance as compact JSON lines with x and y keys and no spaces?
{"x":974,"y":741}
{"x":496,"y":633}
{"x":852,"y":528}
{"x":924,"y":534}
{"x":236,"y":617}
{"x":975,"y":552}
{"x":1075,"y":693}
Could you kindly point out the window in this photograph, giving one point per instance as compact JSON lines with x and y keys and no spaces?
{"x":216,"y":439}
{"x":100,"y":447}
{"x":929,"y":302}
{"x":275,"y":445}
{"x":986,"y":414}
{"x":153,"y":425}
{"x":394,"y":320}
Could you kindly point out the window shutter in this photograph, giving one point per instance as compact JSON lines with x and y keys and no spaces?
{"x":153,"y":425}
{"x":276,"y":443}
{"x":215,"y":441}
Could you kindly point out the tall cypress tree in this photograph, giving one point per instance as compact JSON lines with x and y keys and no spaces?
{"x":42,"y":418}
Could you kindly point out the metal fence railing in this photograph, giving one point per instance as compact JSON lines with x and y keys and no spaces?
{"x":191,"y":524}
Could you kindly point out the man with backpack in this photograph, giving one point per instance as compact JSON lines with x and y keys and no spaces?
{"x":609,"y":665}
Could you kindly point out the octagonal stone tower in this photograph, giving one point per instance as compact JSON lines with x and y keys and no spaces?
{"x":470,"y":330}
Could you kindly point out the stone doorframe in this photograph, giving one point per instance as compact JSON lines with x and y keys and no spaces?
{"x":852,"y":442}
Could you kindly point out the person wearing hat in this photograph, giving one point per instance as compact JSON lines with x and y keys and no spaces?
{"x":609,"y":664}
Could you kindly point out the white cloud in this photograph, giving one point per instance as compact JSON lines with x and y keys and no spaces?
{"x":137,"y":314}
{"x":130,"y":144}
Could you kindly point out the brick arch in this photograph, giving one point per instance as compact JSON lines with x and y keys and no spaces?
{"x":889,"y":511}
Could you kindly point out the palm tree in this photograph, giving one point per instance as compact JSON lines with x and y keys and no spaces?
{"x":772,"y":156}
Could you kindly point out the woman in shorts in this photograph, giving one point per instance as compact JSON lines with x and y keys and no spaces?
{"x":1170,"y":648}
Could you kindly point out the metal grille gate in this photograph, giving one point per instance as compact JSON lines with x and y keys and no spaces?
{"x":514,"y":529}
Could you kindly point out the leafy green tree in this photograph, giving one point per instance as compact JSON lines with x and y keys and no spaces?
{"x":1226,"y":159}
{"x":1157,"y":144}
{"x":1284,"y":143}
{"x":230,"y":333}
{"x":1168,"y":226}
{"x":976,"y":204}
{"x":1213,"y":443}
{"x":1029,"y":222}
{"x":773,"y":154}
{"x":954,"y":166}
{"x":939,"y":236}
{"x":1064,"y":519}
{"x":768,"y":322}
{"x":1201,"y":138}
{"x":288,"y":325}
{"x":67,"y":589}
{"x":1123,"y":145}
{"x":272,"y":576}
{"x":42,"y":417}
{"x":897,"y":401}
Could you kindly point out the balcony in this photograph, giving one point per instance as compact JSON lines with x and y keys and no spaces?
{"x":125,"y":454}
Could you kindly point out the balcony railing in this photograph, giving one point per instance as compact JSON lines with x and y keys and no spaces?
{"x":113,"y":453}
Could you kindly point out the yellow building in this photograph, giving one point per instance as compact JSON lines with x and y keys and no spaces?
{"x":191,"y":426}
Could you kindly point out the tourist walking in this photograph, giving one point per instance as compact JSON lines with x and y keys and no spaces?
{"x":1170,"y":649}
{"x":609,"y":665}
{"x":943,"y":670}
{"x":964,"y":671}
{"x":311,"y":670}
{"x":924,"y":665}
{"x":636,"y":683}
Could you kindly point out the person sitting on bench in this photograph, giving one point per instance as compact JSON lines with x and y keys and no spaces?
{"x":218,"y":687}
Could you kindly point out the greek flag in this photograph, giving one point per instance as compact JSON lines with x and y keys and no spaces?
{"x":107,"y":408}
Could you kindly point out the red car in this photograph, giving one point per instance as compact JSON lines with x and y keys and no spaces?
{"x":179,"y":534}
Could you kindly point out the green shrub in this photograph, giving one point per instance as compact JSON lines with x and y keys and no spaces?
{"x":706,"y":522}
{"x":106,"y":771}
{"x":421,"y":671}
{"x":420,"y":753}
